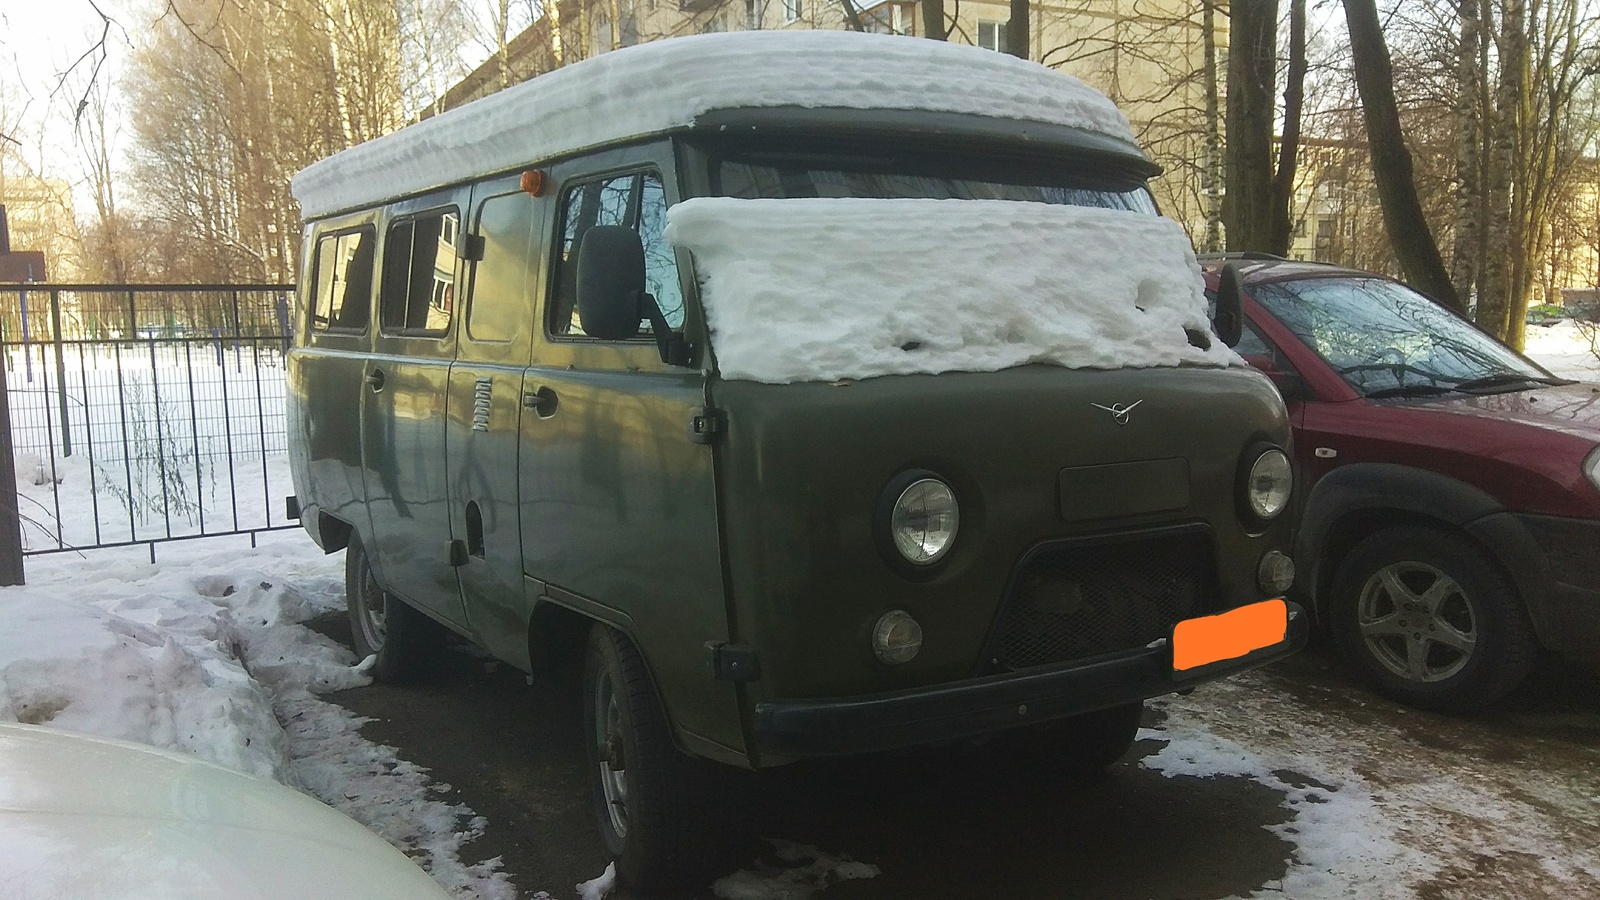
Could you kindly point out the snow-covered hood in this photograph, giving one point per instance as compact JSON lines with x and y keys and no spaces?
{"x":89,"y":817}
{"x":828,"y":289}
{"x":663,"y":85}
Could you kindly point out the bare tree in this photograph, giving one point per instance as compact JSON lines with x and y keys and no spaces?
{"x":1408,"y":228}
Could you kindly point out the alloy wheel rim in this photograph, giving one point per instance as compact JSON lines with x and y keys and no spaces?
{"x":1417,"y":622}
{"x":612,"y":763}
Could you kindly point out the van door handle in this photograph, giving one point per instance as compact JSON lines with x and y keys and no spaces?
{"x":375,"y":379}
{"x":543,"y":402}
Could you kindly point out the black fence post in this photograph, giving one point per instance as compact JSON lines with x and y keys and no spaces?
{"x":11,"y":514}
{"x":61,"y":372}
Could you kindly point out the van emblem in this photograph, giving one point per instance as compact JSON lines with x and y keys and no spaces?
{"x":1118,"y":411}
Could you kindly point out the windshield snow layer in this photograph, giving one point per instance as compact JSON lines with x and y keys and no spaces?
{"x":830,"y":289}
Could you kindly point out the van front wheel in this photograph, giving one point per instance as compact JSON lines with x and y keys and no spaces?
{"x":382,"y":625}
{"x":654,"y":805}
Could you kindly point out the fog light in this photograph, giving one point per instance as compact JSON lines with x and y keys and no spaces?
{"x":897,"y":637}
{"x":1276,"y":572}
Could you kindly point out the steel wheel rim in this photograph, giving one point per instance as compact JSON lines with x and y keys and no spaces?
{"x":612,"y":764}
{"x":1417,"y":622}
{"x":373,"y":612}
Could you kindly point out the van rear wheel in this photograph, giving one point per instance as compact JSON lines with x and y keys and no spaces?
{"x":663,"y":814}
{"x":381,"y":624}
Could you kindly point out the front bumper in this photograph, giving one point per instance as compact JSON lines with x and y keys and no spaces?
{"x":908,"y":718}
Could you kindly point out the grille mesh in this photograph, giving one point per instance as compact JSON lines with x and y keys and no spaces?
{"x":1071,"y":602}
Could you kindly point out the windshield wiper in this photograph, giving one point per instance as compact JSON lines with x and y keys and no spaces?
{"x":1409,"y":390}
{"x":1507,"y":379}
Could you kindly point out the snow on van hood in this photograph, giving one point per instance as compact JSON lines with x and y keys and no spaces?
{"x":662,"y":85}
{"x":843,"y":288}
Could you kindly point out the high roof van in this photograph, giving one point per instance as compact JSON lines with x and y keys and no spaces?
{"x":812,"y":393}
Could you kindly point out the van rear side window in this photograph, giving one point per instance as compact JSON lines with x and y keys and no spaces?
{"x":419,"y":273}
{"x":343,"y":281}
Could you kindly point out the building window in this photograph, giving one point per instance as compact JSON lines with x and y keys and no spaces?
{"x":992,"y":35}
{"x":889,"y":18}
{"x":792,"y":10}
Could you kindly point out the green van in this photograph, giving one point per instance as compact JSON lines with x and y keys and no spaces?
{"x":812,"y":393}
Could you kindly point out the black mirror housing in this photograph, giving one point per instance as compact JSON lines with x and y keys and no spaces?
{"x":1228,"y":320}
{"x":610,"y":282}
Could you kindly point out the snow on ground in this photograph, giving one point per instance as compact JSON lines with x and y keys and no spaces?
{"x":1563,"y":350}
{"x":796,"y":290}
{"x":206,"y":652}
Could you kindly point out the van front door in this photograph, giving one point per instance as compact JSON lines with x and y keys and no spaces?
{"x":403,"y":405}
{"x":619,"y":512}
{"x":493,"y":348}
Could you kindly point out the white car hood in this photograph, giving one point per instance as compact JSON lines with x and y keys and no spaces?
{"x":90,"y":817}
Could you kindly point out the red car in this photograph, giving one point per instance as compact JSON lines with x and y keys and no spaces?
{"x":1448,"y":488}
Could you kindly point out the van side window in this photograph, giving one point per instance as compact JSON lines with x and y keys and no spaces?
{"x":419,"y":273}
{"x":500,"y":308}
{"x":343,"y":281}
{"x":638,"y":201}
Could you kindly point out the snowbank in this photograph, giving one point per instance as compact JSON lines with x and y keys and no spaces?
{"x":662,"y":85}
{"x":818,"y":290}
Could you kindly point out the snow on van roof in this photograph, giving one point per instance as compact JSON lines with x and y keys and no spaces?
{"x":844,"y":288}
{"x":662,"y":85}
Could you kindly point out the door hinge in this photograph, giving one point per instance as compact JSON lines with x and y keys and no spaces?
{"x":472,"y":247}
{"x":458,"y":553}
{"x":732,"y":662}
{"x":705,"y":423}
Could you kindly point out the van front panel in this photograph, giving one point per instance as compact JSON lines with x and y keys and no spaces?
{"x":1036,"y":462}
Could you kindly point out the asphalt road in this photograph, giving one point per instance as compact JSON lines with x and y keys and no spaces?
{"x":949,"y":824}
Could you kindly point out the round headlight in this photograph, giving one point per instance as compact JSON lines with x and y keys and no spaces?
{"x":1591,"y":468}
{"x":924,"y":521}
{"x":897,"y":637}
{"x":1267,"y":489}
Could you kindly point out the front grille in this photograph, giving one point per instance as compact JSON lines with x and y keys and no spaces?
{"x":1071,"y":601}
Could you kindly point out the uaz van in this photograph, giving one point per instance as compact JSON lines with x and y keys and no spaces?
{"x":815,"y":393}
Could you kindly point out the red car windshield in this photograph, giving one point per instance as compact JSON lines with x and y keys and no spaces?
{"x":1385,"y":339}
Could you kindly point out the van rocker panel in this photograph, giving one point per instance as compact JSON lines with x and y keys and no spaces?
{"x":979,"y":706}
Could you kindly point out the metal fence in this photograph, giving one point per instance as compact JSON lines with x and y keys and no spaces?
{"x":141,"y":414}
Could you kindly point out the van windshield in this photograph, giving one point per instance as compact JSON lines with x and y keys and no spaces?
{"x":786,"y":177}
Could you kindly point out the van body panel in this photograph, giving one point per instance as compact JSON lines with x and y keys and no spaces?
{"x":805,"y":473}
{"x":619,"y":505}
{"x":483,"y":437}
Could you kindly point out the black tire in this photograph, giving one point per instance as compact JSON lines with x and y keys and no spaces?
{"x":663,"y":815}
{"x":1429,"y":620}
{"x":1081,"y":746}
{"x":382,"y":625}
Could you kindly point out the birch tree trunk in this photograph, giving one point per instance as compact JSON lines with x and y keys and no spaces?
{"x":1468,"y":249}
{"x":1211,"y":164}
{"x":1500,"y":230}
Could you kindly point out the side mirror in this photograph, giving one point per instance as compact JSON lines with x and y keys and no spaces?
{"x":1228,"y":321}
{"x":611,"y":295}
{"x":1289,"y":384}
{"x":610,"y":282}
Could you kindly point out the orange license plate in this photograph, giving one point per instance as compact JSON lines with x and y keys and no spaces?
{"x":1229,"y":635}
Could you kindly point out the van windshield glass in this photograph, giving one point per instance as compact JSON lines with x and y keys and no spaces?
{"x":792,"y":178}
